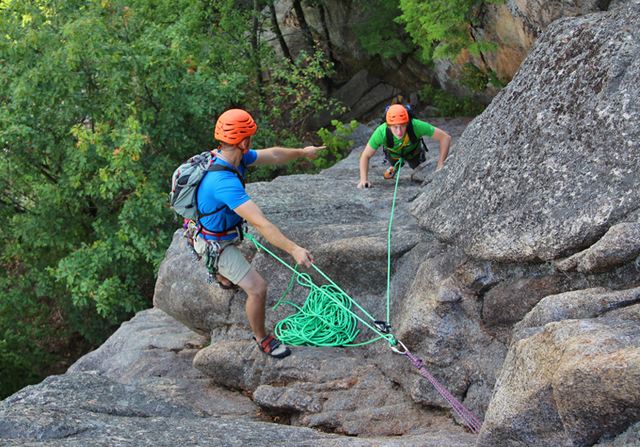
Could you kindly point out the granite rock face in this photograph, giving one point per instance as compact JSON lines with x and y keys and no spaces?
{"x":570,"y":382}
{"x":552,"y":163}
{"x":109,"y":398}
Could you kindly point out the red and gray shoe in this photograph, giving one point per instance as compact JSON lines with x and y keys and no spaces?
{"x":272,"y":347}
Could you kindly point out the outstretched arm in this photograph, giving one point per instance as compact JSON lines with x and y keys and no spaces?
{"x":250,"y":212}
{"x":366,"y":155}
{"x":282,"y":155}
{"x":445,"y":140}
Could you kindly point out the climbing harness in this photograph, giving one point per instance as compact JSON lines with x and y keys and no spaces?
{"x":327,"y":319}
{"x":209,"y":249}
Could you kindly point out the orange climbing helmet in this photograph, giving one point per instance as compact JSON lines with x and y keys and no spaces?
{"x":397,"y":114}
{"x":234,"y":125}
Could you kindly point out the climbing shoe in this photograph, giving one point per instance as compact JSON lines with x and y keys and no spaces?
{"x":272,"y":347}
{"x":389,"y":173}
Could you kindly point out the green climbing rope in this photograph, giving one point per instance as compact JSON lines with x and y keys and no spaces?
{"x":397,"y":167}
{"x":327,"y":317}
{"x":321,"y":321}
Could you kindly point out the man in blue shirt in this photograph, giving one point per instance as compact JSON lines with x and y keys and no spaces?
{"x":223,"y":204}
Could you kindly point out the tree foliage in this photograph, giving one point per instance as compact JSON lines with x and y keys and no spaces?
{"x":441,"y":28}
{"x":99,"y":102}
{"x":381,"y":34}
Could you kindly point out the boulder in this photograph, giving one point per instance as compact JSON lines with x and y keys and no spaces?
{"x":619,"y":245}
{"x":533,"y":164}
{"x":570,"y":383}
{"x":154,"y":352}
{"x":101,"y":402}
{"x":578,"y":304}
{"x":86,"y":410}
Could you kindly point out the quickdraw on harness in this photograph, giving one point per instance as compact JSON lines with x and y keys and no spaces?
{"x":327,"y":319}
{"x":209,"y":251}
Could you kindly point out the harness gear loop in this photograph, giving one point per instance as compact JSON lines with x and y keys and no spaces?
{"x":209,"y":249}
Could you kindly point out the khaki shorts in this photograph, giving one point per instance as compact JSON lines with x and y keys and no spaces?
{"x":232,"y":264}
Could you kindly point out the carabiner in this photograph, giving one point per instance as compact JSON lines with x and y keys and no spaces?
{"x":382,"y":326}
{"x":397,"y":351}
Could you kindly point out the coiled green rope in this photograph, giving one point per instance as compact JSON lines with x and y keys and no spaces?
{"x":320,"y":321}
{"x":326,"y":318}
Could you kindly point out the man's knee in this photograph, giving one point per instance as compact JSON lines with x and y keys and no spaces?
{"x":254,"y":284}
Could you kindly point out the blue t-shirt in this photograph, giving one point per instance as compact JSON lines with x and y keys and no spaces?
{"x":219,"y":188}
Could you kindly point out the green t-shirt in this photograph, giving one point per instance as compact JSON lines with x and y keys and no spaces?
{"x":401,"y":147}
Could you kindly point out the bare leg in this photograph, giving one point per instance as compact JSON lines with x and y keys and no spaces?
{"x":256,"y":288}
{"x":223,"y":280}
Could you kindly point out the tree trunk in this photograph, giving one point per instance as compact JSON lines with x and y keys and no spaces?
{"x":327,"y":37}
{"x":306,"y":32}
{"x":304,"y":27}
{"x":278,"y":31}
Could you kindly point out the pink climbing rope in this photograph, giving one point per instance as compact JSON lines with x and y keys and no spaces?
{"x":467,"y":416}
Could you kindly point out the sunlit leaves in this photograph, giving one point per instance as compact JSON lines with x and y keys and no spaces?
{"x":442,"y":28}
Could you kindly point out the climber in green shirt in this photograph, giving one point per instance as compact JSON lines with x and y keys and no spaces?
{"x":400,"y":137}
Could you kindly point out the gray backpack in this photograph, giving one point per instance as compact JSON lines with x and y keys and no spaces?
{"x":185,"y":181}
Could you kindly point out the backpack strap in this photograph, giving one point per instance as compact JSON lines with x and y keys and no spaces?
{"x":411,"y":132}
{"x":389,"y":138}
{"x":217,"y":167}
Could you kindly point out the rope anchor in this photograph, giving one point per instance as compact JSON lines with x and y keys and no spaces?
{"x":469,"y":419}
{"x":383,"y":326}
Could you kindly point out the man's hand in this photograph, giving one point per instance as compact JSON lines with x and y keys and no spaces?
{"x":365,"y":184}
{"x":302,"y":256}
{"x":312,"y":151}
